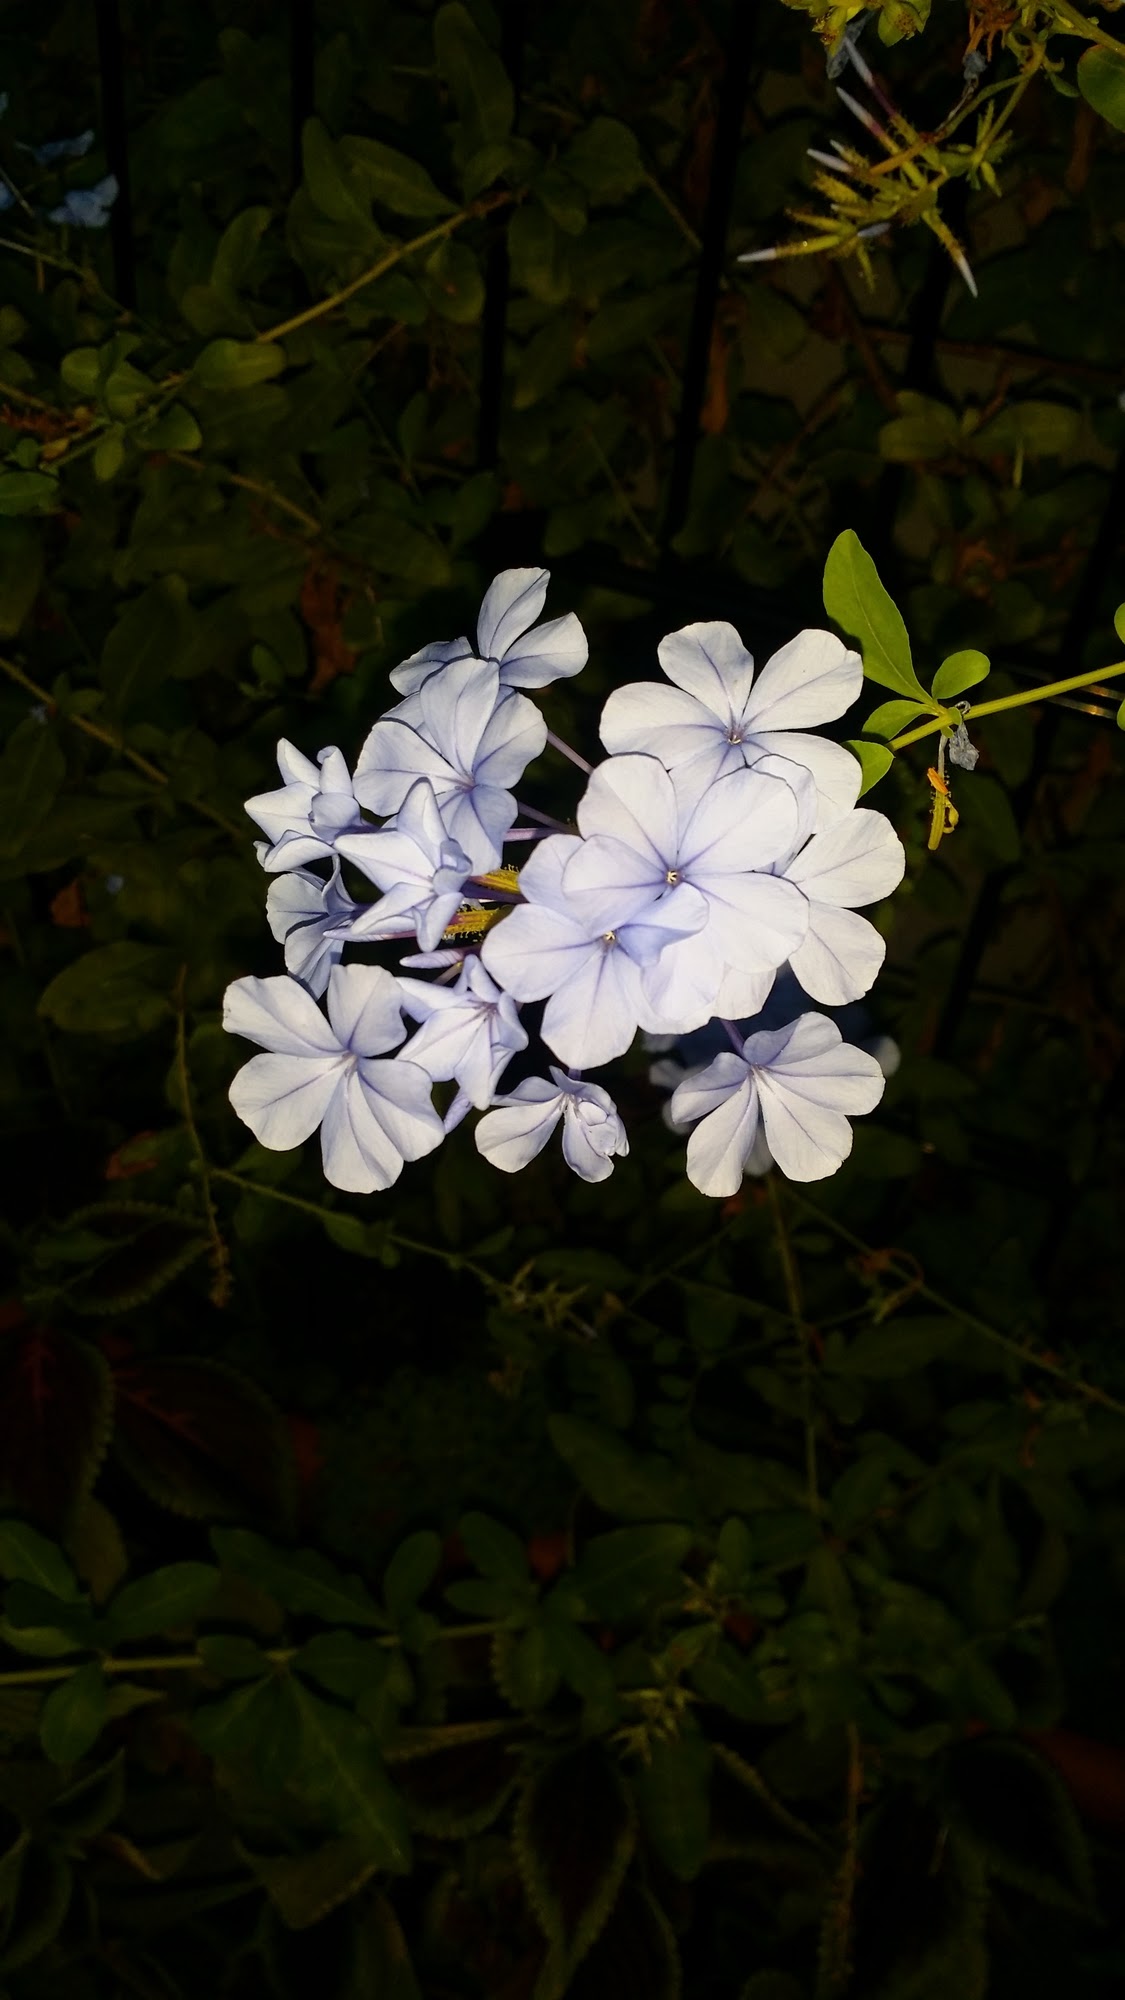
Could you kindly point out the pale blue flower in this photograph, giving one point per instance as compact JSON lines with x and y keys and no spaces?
{"x":857,"y":859}
{"x":303,"y":819}
{"x":62,"y":149}
{"x":469,"y":1031}
{"x":470,"y":744}
{"x":800,"y":1082}
{"x":525,"y":655}
{"x":513,"y":1134}
{"x":313,"y":919}
{"x":87,"y":208}
{"x":718,"y":718}
{"x":372,"y":1114}
{"x":585,"y":956}
{"x":418,"y":865}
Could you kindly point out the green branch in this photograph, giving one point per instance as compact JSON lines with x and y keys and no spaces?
{"x":1022,"y":700}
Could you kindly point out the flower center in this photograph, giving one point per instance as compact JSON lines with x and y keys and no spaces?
{"x":734,"y":735}
{"x":672,"y":877}
{"x":609,"y":937}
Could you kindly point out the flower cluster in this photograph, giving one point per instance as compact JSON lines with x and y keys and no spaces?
{"x":717,"y":844}
{"x":81,"y":208}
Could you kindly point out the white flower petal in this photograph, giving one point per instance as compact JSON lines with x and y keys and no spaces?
{"x":455,"y":709}
{"x":515,"y":735}
{"x":720,"y":1145}
{"x":809,"y":1141}
{"x":295,"y":767}
{"x":711,"y":662}
{"x":409,"y":677}
{"x":517,"y":1131}
{"x":666,"y":723}
{"x":841,"y":956}
{"x":632,"y":800}
{"x":392,"y":759}
{"x":365,"y":1009}
{"x":397,"y":1094}
{"x":479,"y":820}
{"x":532,"y":951}
{"x":679,"y":992}
{"x":355,"y":1151}
{"x":606,"y":882}
{"x":279,"y":1015}
{"x":282,"y":1098}
{"x":743,"y":994}
{"x":812,"y":679}
{"x":835,"y":772}
{"x":857,"y":860}
{"x":592,"y":1016}
{"x":757,"y":921}
{"x":746,"y":821}
{"x":552,"y":652}
{"x":512,"y":603}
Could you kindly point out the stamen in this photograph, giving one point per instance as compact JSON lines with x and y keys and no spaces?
{"x":672,"y":877}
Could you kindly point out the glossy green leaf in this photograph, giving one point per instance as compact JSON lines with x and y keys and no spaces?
{"x":855,"y":598}
{"x":874,"y":760}
{"x":622,"y":1574}
{"x":891,"y":718}
{"x":410,"y":1572}
{"x":30,"y":1557}
{"x":958,"y":672}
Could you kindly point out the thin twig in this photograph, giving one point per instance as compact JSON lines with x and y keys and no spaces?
{"x":795,"y":1301}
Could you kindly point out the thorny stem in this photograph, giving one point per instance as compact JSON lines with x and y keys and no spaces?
{"x":1021,"y":700}
{"x":795,"y":1302}
{"x":385,"y":264}
{"x":1008,"y":1342}
{"x":114,"y":742}
{"x":220,"y":1256}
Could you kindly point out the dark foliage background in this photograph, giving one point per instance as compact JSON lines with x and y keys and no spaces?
{"x":514,"y":1588}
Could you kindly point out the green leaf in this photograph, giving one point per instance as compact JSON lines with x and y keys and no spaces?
{"x":109,"y":455}
{"x":139,"y":652}
{"x":342,"y":1773}
{"x":130,"y":1251}
{"x":394,"y":179}
{"x":898,"y":1347}
{"x":116,"y":989}
{"x":410,"y":1572}
{"x":958,"y":672}
{"x":1121,"y":716}
{"x":1101,"y":79}
{"x":605,"y":159}
{"x":631,"y":1571}
{"x":893,"y":716}
{"x":236,"y":250}
{"x":299,"y":1579}
{"x":173,"y":429}
{"x":574,"y":1835}
{"x":493,"y":1549}
{"x":238,"y":364}
{"x":252,"y":1727}
{"x":170,"y":1597}
{"x":524,"y":1667}
{"x":32,"y":770}
{"x":28,"y":1557}
{"x":1119,"y":622}
{"x":303,"y":1888}
{"x":28,"y":493}
{"x":342,"y":1662}
{"x":855,"y":598}
{"x":46,"y":1881}
{"x":478,"y":82}
{"x":673,"y":1792}
{"x":458,"y":1789}
{"x":874,"y":760}
{"x":635,"y":1958}
{"x":615,"y":1476}
{"x":73,"y":1715}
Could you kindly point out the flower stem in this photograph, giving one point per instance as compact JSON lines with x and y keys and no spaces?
{"x":557,"y":743}
{"x":544,"y":819}
{"x":1021,"y":700}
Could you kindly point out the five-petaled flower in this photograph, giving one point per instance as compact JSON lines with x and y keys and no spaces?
{"x":524,"y":654}
{"x":373,"y":1114}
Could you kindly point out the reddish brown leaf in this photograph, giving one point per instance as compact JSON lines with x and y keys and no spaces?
{"x":203,"y":1441}
{"x":56,"y":1413}
{"x":68,"y":908}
